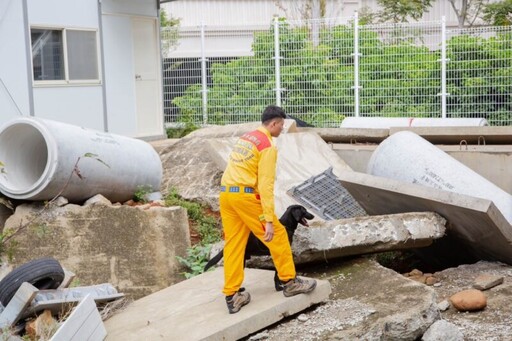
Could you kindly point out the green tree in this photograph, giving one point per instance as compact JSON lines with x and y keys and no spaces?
{"x":499,"y":13}
{"x":398,"y":11}
{"x":169,"y":28}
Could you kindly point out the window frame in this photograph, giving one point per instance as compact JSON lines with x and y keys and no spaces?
{"x":66,"y":81}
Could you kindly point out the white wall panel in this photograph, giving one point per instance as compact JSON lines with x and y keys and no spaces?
{"x":13,"y":62}
{"x":79,"y":105}
{"x":62,"y":13}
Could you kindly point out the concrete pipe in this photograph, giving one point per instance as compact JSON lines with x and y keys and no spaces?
{"x":39,"y":157}
{"x":408,"y":157}
{"x":388,"y":122}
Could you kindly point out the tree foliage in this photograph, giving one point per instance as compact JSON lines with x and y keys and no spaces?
{"x":398,"y":11}
{"x":499,"y":13}
{"x":398,"y":77}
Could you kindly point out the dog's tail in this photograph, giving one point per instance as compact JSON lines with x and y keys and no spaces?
{"x":214,"y":260}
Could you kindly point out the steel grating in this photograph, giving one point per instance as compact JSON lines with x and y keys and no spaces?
{"x":324,"y":194}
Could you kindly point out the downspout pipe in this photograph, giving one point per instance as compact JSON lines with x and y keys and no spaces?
{"x":39,"y":158}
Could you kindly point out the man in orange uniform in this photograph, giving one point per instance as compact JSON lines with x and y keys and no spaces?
{"x":247,"y":205}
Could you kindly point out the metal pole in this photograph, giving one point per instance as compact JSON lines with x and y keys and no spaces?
{"x":204,"y":90}
{"x":356,"y":55}
{"x":443,"y":67}
{"x":277,"y":61}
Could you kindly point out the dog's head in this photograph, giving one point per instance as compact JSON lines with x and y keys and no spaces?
{"x":300,"y":214}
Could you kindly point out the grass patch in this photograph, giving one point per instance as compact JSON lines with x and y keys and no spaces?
{"x":207,"y":227}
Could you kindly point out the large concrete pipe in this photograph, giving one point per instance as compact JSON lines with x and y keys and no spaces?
{"x":408,"y":157}
{"x":39,"y":157}
{"x":388,"y":122}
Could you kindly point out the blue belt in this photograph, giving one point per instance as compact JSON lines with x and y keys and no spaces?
{"x":237,"y":189}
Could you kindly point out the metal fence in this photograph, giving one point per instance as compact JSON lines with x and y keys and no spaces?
{"x":322,"y":73}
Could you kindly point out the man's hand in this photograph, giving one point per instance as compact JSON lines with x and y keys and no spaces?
{"x":269,"y":231}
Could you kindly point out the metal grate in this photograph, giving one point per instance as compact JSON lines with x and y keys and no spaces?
{"x":325,"y":195}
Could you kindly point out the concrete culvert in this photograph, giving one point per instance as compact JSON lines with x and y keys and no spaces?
{"x":39,"y":157}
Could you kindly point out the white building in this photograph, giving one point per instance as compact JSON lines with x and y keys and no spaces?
{"x":90,"y":63}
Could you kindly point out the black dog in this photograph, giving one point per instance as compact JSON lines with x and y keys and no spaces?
{"x":290,"y":219}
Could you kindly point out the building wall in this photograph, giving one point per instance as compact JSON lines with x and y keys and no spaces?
{"x":106,"y":105}
{"x":76,"y":104}
{"x":248,"y":12}
{"x":14,"y":94}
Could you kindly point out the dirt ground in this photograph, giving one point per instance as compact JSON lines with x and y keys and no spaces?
{"x":322,"y":322}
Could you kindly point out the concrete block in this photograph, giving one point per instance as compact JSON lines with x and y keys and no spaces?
{"x":196,"y":309}
{"x":361,"y":235}
{"x":134,"y":250}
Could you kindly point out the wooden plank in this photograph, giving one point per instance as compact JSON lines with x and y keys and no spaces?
{"x":69,"y":276}
{"x":15,"y":308}
{"x":81,"y":323}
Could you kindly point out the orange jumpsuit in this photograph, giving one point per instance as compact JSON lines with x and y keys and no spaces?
{"x":247,"y":203}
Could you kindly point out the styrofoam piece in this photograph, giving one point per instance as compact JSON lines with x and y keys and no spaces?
{"x":388,"y":122}
{"x":408,"y":157}
{"x":39,"y":158}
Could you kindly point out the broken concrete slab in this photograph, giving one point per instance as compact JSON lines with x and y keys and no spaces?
{"x":476,"y":223}
{"x":133,"y":249}
{"x":361,"y":235}
{"x":327,"y":240}
{"x":369,"y":302}
{"x":196,"y":309}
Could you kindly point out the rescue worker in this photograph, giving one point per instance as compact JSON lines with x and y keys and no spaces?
{"x":247,"y":205}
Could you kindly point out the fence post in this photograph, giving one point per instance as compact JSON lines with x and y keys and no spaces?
{"x":443,"y":67}
{"x":356,"y":55}
{"x":204,"y":88}
{"x":277,"y":61}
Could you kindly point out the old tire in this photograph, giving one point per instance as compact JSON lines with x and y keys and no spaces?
{"x":43,"y":273}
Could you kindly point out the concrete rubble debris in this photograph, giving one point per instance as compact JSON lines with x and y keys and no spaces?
{"x":466,"y":216}
{"x":487,"y":281}
{"x":443,"y":305}
{"x":369,"y":302}
{"x":37,"y":309}
{"x":108,"y":243}
{"x":327,"y":240}
{"x":443,"y":331}
{"x":360,"y":235}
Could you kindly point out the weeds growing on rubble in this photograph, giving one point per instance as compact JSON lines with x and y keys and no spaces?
{"x":207,"y":227}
